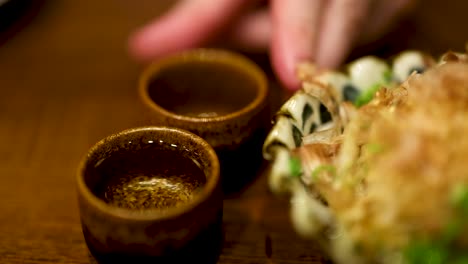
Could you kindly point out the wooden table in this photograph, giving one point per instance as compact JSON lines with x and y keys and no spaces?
{"x":66,"y":81}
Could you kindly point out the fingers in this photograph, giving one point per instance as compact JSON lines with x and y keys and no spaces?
{"x":342,"y":23}
{"x":189,"y":24}
{"x":293,"y":37}
{"x":251,"y":32}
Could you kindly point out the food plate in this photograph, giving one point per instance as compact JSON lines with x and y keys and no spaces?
{"x":303,"y":114}
{"x":320,"y":111}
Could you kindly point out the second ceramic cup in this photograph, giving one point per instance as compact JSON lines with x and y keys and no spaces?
{"x":151,"y":194}
{"x":219,"y":95}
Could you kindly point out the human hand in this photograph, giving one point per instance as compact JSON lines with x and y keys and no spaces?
{"x":294,"y":31}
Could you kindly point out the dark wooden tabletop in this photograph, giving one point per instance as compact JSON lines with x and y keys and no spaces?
{"x":66,"y":81}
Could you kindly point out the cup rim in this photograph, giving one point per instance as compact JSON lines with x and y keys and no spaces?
{"x":206,"y":54}
{"x":153,"y":213}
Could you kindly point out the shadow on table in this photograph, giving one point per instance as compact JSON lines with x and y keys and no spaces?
{"x":241,"y":167}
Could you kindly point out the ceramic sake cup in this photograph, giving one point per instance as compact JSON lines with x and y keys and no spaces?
{"x":219,"y":95}
{"x":135,"y":207}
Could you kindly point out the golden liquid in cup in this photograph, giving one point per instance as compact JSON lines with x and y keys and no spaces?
{"x":148,"y":178}
{"x":202,"y":89}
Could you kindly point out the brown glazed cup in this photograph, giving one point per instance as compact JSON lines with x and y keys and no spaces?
{"x":135,"y":207}
{"x":219,"y":95}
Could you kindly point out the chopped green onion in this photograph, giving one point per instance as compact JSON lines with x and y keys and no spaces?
{"x":374,"y":148}
{"x":388,"y":76}
{"x":366,"y":96}
{"x":440,"y":249}
{"x":422,"y":252}
{"x":434,"y":252}
{"x":443,"y":248}
{"x":463,"y":259}
{"x":295,"y":167}
{"x":452,"y":231}
{"x":323,"y":168}
{"x":459,"y":198}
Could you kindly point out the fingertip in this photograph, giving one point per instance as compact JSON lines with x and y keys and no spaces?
{"x":284,"y":63}
{"x":340,"y":29}
{"x":295,"y":29}
{"x":157,"y":40}
{"x":137,"y":47}
{"x":329,"y":60}
{"x":286,"y":74}
{"x":160,"y":38}
{"x":290,"y":83}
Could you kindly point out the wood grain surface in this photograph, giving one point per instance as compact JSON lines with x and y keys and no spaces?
{"x":66,"y":81}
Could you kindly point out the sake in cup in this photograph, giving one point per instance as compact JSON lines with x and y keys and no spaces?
{"x":151,"y":194}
